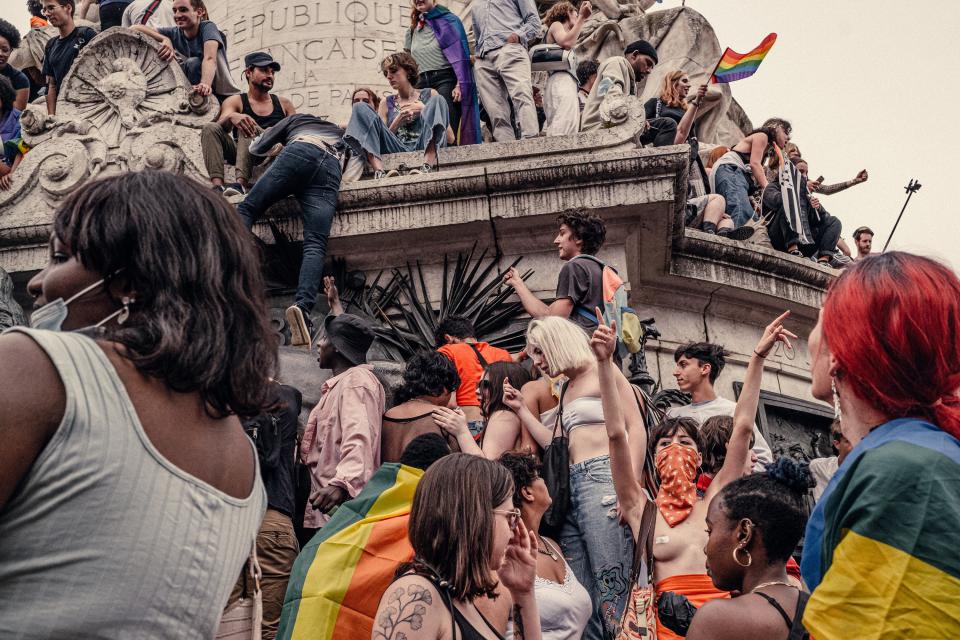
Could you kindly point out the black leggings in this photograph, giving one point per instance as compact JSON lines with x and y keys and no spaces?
{"x":443,"y":82}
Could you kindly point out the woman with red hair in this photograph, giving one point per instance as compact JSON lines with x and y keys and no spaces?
{"x":880,"y":554}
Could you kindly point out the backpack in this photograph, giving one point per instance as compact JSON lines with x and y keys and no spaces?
{"x":615,"y":308}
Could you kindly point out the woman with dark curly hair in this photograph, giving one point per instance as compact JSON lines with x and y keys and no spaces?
{"x":754,"y":526}
{"x":10,"y":40}
{"x":410,"y":120}
{"x":126,"y":480}
{"x":429,"y":382}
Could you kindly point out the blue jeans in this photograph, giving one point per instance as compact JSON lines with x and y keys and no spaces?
{"x":312,"y":176}
{"x":366,"y":132}
{"x":598,"y":548}
{"x":731,"y":183}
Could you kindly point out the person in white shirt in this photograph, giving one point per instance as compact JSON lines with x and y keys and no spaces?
{"x":822,"y":469}
{"x":698,"y":365}
{"x":153,"y":13}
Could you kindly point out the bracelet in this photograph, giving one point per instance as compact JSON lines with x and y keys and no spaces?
{"x":759,"y":355}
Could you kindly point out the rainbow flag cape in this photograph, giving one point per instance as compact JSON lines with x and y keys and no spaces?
{"x":881,"y":549}
{"x":737,"y":66}
{"x":339,"y":576}
{"x":452,"y":38}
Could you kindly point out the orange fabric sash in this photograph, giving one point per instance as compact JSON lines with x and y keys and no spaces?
{"x":699,"y":590}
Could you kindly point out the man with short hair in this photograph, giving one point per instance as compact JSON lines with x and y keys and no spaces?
{"x":242,"y":118}
{"x":153,"y":13}
{"x":580,"y":285}
{"x":586,"y":78}
{"x":863,"y":237}
{"x":341,"y":444}
{"x":503,"y":29}
{"x":197,"y":45}
{"x":822,"y":469}
{"x":456,"y":337}
{"x":617,"y":78}
{"x":698,"y":366}
{"x":60,"y":52}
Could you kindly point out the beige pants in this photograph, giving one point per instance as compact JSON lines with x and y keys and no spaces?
{"x":219,"y":147}
{"x":503,"y":77}
{"x":277,"y":548}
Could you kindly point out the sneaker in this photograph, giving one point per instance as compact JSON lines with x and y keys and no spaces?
{"x":383,"y":173}
{"x":797,"y":253}
{"x":740,"y":233}
{"x":424,"y":168}
{"x":300,"y":327}
{"x":235,"y":189}
{"x":839,"y":260}
{"x":219,"y":188}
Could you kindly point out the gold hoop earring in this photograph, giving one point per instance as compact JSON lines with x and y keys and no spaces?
{"x":737,"y":559}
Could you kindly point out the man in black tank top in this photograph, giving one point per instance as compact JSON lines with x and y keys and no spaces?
{"x":242,"y":118}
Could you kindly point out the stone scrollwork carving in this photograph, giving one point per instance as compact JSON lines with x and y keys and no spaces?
{"x":120,"y":108}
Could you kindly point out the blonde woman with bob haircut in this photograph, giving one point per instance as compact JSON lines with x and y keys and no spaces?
{"x":598,"y":548}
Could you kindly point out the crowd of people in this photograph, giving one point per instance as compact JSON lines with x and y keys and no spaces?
{"x":152,"y":459}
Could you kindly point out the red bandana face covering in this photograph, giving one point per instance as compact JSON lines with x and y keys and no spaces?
{"x":677,"y":466}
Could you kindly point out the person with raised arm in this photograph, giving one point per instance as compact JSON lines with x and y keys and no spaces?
{"x":680,"y":527}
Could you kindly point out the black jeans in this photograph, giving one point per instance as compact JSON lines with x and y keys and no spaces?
{"x":443,"y":82}
{"x":826,"y":234}
{"x":661,"y":132}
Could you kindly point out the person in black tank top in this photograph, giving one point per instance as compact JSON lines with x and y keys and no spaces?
{"x":228,"y":139}
{"x":755,"y":523}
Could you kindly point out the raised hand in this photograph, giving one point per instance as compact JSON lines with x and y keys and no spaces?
{"x":774,"y":332}
{"x":333,"y":295}
{"x":862,"y":176}
{"x":604,"y":339}
{"x":519,"y":568}
{"x":512,"y":397}
{"x":512,"y":278}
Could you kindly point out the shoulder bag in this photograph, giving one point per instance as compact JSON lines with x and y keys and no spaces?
{"x":552,"y":57}
{"x":242,"y":620}
{"x":556,"y":472}
{"x":639,"y":620}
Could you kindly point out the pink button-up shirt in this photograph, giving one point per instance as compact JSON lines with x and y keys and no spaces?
{"x":341,"y":444}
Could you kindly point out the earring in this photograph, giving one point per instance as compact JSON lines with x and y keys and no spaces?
{"x":837,"y":414}
{"x":737,"y":559}
{"x":125,"y":312}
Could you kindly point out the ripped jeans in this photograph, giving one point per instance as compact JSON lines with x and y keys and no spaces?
{"x":598,"y":548}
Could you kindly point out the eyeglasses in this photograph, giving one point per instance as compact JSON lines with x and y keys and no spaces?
{"x":513,"y":516}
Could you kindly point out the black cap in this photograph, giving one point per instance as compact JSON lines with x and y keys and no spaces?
{"x":642,"y":47}
{"x":350,"y":335}
{"x":260,"y":59}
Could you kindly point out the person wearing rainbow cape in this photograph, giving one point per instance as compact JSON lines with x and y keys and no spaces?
{"x":437,"y":40}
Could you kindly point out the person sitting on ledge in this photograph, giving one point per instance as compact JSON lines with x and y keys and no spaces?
{"x":197,"y":45}
{"x":617,"y":78}
{"x":10,"y":40}
{"x":245,"y":116}
{"x":60,"y":51}
{"x":841,"y":257}
{"x":410,"y":120}
{"x":586,"y":78}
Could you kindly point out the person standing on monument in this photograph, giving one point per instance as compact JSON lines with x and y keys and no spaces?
{"x":245,"y":116}
{"x":438,"y":42}
{"x":197,"y":45}
{"x":503,"y":29}
{"x":561,"y":103}
{"x":60,"y":52}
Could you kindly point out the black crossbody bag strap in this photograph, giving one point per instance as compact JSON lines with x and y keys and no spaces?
{"x":480,"y":358}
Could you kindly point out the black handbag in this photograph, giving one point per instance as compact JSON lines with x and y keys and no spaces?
{"x":556,"y":473}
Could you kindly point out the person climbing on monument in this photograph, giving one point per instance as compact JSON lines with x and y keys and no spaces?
{"x":309,"y":157}
{"x":438,"y":42}
{"x":242,"y":118}
{"x":10,"y":40}
{"x":410,"y":120}
{"x":617,"y":78}
{"x":61,"y":51}
{"x":198,"y":46}
{"x":560,"y":102}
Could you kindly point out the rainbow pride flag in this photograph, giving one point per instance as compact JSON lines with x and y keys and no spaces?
{"x":737,"y":66}
{"x":339,"y":576}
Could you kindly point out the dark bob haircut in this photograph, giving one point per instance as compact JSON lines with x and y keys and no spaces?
{"x":427,"y":374}
{"x":10,"y":33}
{"x":496,"y":373}
{"x":452,"y":520}
{"x":706,"y":353}
{"x":586,"y":227}
{"x":200,"y":322}
{"x":670,"y":427}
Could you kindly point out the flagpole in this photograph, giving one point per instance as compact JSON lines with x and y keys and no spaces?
{"x":911,"y":189}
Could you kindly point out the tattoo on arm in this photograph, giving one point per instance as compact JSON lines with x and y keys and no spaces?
{"x":518,"y":622}
{"x":403,"y":606}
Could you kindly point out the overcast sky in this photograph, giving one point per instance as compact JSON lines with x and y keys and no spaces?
{"x":867,"y":84}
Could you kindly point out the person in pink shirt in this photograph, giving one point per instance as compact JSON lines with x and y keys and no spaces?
{"x":341,"y":444}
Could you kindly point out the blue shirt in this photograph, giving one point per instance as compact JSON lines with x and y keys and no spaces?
{"x":495,"y":20}
{"x":193,"y":47}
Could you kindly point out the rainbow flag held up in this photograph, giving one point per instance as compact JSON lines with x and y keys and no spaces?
{"x":737,"y":66}
{"x":339,"y":576}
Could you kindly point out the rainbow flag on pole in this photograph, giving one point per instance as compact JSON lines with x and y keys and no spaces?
{"x":339,"y":576}
{"x":737,"y":66}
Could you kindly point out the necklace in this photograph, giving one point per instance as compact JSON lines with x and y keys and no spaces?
{"x":771,"y":584}
{"x":549,"y":550}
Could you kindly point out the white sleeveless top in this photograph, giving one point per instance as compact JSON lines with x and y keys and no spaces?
{"x":104,"y":537}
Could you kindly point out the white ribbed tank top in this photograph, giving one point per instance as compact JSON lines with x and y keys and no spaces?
{"x":105,"y":538}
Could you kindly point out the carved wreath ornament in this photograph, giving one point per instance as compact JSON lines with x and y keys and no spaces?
{"x":120,"y":108}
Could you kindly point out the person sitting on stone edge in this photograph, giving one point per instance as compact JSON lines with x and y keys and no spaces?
{"x":410,"y":120}
{"x":580,"y":285}
{"x":197,"y":45}
{"x":242,"y":118}
{"x":617,"y":78}
{"x":61,"y":51}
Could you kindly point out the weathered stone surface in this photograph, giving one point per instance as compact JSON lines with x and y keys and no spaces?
{"x":11,"y":314}
{"x":120,"y":108}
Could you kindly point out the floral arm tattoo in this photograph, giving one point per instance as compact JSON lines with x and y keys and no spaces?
{"x":518,"y":623}
{"x":403,"y":606}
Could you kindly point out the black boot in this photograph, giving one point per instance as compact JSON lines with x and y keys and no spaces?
{"x":709,"y":227}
